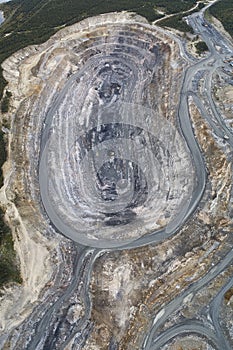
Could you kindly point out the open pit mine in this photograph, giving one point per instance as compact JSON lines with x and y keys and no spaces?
{"x":118,"y":191}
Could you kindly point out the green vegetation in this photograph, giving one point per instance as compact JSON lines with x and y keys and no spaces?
{"x":223,"y":11}
{"x":31,"y":14}
{"x":176,"y":22}
{"x":201,"y":47}
{"x":34,"y":21}
{"x":3,"y":155}
{"x":9,"y":271}
{"x":5,"y":102}
{"x":2,"y":82}
{"x":8,"y":268}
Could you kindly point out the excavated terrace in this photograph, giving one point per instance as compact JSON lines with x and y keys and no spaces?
{"x":99,"y":100}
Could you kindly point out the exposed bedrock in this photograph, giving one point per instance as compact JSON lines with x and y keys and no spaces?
{"x":101,"y":99}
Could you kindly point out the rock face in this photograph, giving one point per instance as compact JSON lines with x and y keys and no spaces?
{"x":112,"y":166}
{"x":95,"y":154}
